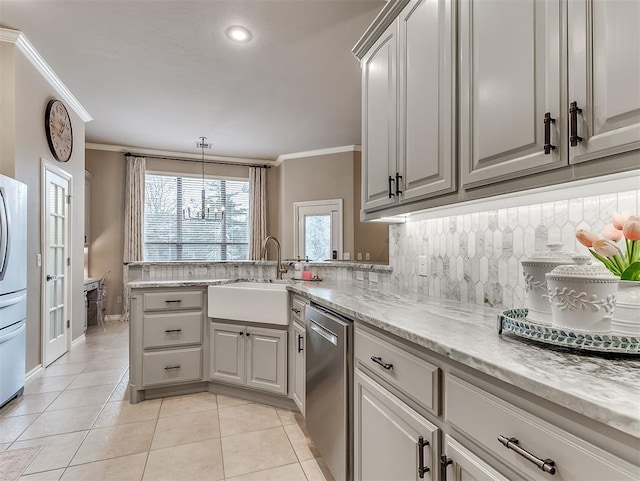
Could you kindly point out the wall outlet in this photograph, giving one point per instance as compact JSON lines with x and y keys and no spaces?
{"x":346,"y":256}
{"x":119,"y":300}
{"x":373,"y":277}
{"x":422,"y":266}
{"x":359,"y":256}
{"x":359,"y":276}
{"x":367,"y":256}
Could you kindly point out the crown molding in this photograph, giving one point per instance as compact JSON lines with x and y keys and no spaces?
{"x":168,"y":153}
{"x":29,"y":51}
{"x":314,"y":153}
{"x":386,"y":16}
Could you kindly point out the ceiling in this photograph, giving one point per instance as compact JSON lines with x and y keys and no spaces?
{"x":158,"y":74}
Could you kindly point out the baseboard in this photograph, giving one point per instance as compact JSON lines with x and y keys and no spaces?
{"x":78,"y":340}
{"x":34,"y":372}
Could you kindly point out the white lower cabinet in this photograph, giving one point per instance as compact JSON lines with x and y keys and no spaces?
{"x":392,"y":441}
{"x":249,"y":356}
{"x":459,"y":464}
{"x":299,"y":366}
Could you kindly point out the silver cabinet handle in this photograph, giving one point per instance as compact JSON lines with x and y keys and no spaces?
{"x":546,"y":465}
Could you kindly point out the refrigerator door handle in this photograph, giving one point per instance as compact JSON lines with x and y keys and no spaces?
{"x":11,"y":299}
{"x":5,"y":227}
{"x":12,"y":334}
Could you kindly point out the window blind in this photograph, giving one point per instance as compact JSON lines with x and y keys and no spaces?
{"x":176,"y":227}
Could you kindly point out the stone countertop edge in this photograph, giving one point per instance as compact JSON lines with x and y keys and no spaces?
{"x":606,"y":390}
{"x":361,"y":266}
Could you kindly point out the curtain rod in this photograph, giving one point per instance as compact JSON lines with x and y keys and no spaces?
{"x":206,"y":161}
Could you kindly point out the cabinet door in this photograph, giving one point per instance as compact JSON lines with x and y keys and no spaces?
{"x":228,"y":353}
{"x":386,"y":434}
{"x":267,"y":359}
{"x":426,"y":82}
{"x":510,"y":76}
{"x":379,"y":127}
{"x":604,"y":76}
{"x":299,"y":366}
{"x":466,"y":466}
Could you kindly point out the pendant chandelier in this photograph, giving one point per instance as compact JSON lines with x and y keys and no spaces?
{"x":193,"y":211}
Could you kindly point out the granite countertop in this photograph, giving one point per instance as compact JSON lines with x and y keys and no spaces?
{"x":606,"y":390}
{"x":361,"y":266}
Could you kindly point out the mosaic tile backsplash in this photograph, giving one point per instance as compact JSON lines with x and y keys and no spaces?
{"x":476,"y":257}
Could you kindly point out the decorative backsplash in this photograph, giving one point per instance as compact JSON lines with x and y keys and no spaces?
{"x":475,"y":257}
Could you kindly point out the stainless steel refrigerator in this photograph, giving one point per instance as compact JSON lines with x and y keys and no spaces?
{"x":13,"y":287}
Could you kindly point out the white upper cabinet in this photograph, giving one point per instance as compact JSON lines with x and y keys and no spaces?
{"x":604,"y":77}
{"x":379,"y":120}
{"x":510,"y":77}
{"x":426,"y":86}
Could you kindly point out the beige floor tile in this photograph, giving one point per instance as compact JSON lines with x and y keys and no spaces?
{"x":228,"y":401}
{"x":4,"y":446}
{"x":120,"y":353}
{"x":57,"y":451}
{"x":256,"y":451}
{"x":186,"y":428}
{"x":65,"y":369}
{"x":115,"y":441}
{"x":193,"y":403}
{"x":59,"y":422}
{"x":97,"y":378}
{"x":14,"y":426}
{"x":201,"y":461}
{"x":48,"y":384}
{"x":76,"y":355}
{"x":31,"y":404}
{"x":316,"y":470}
{"x":53,"y":475}
{"x":290,"y":472}
{"x":125,"y":468}
{"x":288,"y":417}
{"x":88,"y":396}
{"x":124,"y":413}
{"x":301,"y":443}
{"x":120,"y":393}
{"x":107,"y":365}
{"x":247,"y":418}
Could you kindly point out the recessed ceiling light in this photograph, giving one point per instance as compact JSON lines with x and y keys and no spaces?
{"x":238,"y":34}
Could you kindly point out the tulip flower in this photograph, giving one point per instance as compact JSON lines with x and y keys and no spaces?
{"x":631,"y":228}
{"x":619,"y":218}
{"x":611,"y":233}
{"x":586,"y":237}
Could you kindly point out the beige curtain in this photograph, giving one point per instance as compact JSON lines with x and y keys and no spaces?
{"x":133,"y":221}
{"x":258,"y":210}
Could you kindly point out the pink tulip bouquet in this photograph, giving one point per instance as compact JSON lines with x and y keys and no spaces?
{"x":606,"y":249}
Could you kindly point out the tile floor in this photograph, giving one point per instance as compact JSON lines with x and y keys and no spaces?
{"x":78,"y":411}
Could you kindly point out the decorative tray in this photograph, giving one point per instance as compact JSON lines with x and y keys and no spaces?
{"x":514,"y":321}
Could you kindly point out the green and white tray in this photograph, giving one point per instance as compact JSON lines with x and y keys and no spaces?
{"x":514,"y":321}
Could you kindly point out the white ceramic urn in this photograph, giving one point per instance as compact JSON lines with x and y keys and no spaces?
{"x":534,"y":269}
{"x":582,"y":296}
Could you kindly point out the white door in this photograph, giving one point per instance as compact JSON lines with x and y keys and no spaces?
{"x":426,"y":85}
{"x":319,"y":229}
{"x":379,"y":127}
{"x":56,"y":269}
{"x":510,"y":78}
{"x":386,"y":437}
{"x":463,"y":465}
{"x":228,"y":353}
{"x":604,"y":77}
{"x":299,"y":366}
{"x":267,"y":359}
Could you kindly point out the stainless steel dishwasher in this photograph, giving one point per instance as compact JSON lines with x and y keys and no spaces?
{"x":329,"y":387}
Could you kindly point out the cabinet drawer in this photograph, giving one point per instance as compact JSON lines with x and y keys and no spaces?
{"x":297,"y":309}
{"x":484,"y":417}
{"x":155,"y":301}
{"x":172,"y":367}
{"x":414,"y":376}
{"x":172,"y":329}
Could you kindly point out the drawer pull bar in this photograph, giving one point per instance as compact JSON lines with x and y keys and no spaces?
{"x":170,"y":368}
{"x":378,"y":360}
{"x":300,"y":348}
{"x":297,"y":311}
{"x":421,"y":467}
{"x":546,"y":465}
{"x":173,"y":301}
{"x":444,"y":462}
{"x":172,"y":330}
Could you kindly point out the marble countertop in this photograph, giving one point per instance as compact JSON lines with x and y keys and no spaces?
{"x":606,"y":390}
{"x":361,"y":266}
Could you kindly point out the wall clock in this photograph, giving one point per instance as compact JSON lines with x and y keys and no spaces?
{"x":57,"y":123}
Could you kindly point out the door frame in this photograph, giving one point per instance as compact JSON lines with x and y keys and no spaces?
{"x":47,"y":165}
{"x":318,"y":203}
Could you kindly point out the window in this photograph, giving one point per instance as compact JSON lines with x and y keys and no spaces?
{"x":318,"y":233}
{"x":176,"y":228}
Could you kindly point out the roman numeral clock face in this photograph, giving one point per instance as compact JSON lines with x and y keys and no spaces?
{"x":59,"y":134}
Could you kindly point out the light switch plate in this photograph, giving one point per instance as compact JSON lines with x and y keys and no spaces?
{"x":359,"y":256}
{"x":367,"y":256}
{"x":422,"y":266}
{"x":346,"y":256}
